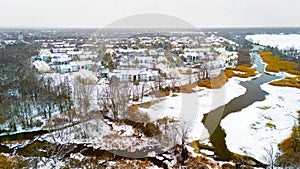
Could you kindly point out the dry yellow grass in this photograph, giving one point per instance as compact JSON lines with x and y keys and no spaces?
{"x":188,"y":88}
{"x":288,"y":82}
{"x":5,"y":162}
{"x":276,"y":64}
{"x":290,"y":147}
{"x":201,"y":162}
{"x":14,"y":161}
{"x":294,"y":72}
{"x":215,"y":83}
{"x":245,"y":72}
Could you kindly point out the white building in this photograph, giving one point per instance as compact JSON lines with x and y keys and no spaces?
{"x":134,"y":75}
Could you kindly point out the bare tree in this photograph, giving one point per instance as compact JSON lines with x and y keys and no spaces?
{"x":202,"y":73}
{"x":178,"y":137}
{"x":83,"y":94}
{"x":116,"y":98}
{"x":271,"y":156}
{"x":183,"y":131}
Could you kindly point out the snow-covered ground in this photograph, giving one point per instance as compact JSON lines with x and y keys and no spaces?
{"x":191,"y":107}
{"x":185,"y":107}
{"x":263,"y":124}
{"x":274,"y":40}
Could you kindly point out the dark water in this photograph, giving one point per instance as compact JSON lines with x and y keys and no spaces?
{"x":253,"y":93}
{"x":28,"y":135}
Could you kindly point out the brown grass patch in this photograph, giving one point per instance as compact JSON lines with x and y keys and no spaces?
{"x":5,"y":162}
{"x":215,"y":83}
{"x":134,"y":163}
{"x":12,"y":161}
{"x":288,"y":82}
{"x":198,"y":146}
{"x":188,"y":88}
{"x":201,"y":162}
{"x":245,"y":72}
{"x":166,"y":120}
{"x":290,"y":148}
{"x":160,"y":94}
{"x":294,"y":72}
{"x":276,"y":64}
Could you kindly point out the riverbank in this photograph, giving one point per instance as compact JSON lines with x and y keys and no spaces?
{"x":291,"y":76}
{"x":191,"y":106}
{"x":264,"y":124}
{"x":241,"y":71}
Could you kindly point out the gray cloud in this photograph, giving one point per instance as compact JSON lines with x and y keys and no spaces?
{"x":99,"y":13}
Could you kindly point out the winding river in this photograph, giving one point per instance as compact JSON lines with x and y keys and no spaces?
{"x":253,"y":93}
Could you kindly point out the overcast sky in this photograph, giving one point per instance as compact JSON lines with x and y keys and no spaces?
{"x":199,"y":13}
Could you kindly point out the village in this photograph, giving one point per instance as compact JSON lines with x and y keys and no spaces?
{"x":138,"y":58}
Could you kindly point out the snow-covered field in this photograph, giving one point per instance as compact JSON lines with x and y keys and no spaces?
{"x":262,"y":125}
{"x":281,"y":41}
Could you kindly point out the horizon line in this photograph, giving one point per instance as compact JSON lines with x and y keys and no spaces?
{"x":163,"y":28}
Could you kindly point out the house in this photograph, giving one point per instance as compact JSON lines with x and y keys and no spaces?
{"x":44,"y":54}
{"x":87,"y":77}
{"x":64,"y":68}
{"x":153,"y":52}
{"x":59,"y":59}
{"x":145,"y":61}
{"x":85,"y":64}
{"x":160,"y":52}
{"x":41,"y":66}
{"x":74,"y":67}
{"x":133,"y":75}
{"x":74,"y":53}
{"x":190,"y":57}
{"x":85,"y":55}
